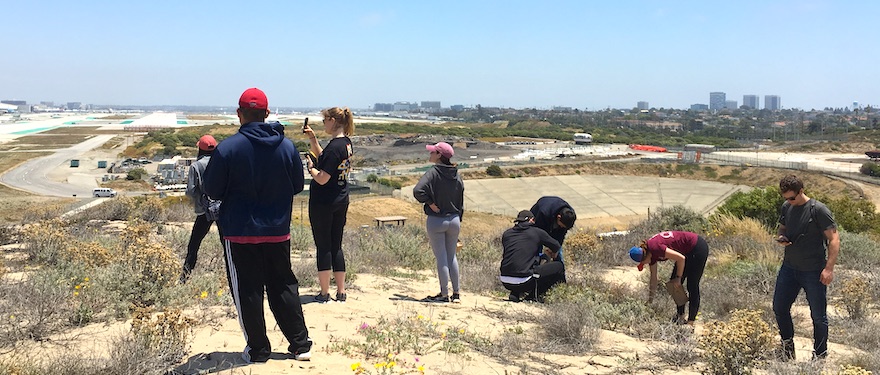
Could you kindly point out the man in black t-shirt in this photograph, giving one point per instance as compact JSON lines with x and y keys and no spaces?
{"x":807,"y":230}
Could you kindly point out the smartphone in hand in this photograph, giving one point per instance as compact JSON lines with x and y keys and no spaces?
{"x":305,"y":124}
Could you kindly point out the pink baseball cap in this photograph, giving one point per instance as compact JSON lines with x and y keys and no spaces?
{"x":253,"y":98}
{"x":442,"y":148}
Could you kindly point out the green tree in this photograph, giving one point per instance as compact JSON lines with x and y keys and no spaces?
{"x":136,"y":174}
{"x":761,"y":204}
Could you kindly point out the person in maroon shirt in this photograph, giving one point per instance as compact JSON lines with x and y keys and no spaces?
{"x":689,"y":251}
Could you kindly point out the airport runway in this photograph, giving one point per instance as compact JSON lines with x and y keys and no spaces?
{"x":33,"y":175}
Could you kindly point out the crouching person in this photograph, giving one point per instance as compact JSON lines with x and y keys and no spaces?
{"x":527,"y":271}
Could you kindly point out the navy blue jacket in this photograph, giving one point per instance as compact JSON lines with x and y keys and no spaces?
{"x":545,"y":211}
{"x":255,"y":172}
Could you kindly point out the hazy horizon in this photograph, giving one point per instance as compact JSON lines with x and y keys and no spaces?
{"x":500,"y":54}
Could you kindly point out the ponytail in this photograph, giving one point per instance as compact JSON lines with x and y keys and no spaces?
{"x":343,"y":117}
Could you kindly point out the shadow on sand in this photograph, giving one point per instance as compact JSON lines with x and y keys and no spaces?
{"x":209,"y":363}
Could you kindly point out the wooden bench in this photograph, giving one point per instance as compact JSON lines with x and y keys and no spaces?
{"x":383,"y":220}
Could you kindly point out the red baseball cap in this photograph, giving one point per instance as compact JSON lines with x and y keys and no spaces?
{"x":253,"y":98}
{"x":207,"y":143}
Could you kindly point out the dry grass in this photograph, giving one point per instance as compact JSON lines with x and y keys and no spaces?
{"x":51,"y":140}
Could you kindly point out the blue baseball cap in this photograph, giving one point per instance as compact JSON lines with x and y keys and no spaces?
{"x":636,"y":253}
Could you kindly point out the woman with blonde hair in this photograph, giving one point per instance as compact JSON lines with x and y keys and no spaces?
{"x":328,"y":201}
{"x":442,"y":192}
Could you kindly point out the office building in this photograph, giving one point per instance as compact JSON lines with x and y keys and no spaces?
{"x":750,"y":101}
{"x":383,"y":107}
{"x":430,"y":105}
{"x":74,"y":106}
{"x":699,"y":107}
{"x":717,"y":101}
{"x":642,"y":105}
{"x":772,"y":102}
{"x":730,"y":104}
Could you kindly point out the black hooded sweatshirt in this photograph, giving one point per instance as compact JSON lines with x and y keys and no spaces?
{"x":522,"y":244}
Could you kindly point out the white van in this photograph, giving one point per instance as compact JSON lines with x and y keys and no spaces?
{"x":103,"y":192}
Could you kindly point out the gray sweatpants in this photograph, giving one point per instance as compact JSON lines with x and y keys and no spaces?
{"x":443,"y":237}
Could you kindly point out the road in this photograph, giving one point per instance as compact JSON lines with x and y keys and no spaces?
{"x":33,"y":175}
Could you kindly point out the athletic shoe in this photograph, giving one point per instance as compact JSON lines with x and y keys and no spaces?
{"x":340,"y":297}
{"x":455,"y":298}
{"x":513,"y":297}
{"x":304,"y":356}
{"x":322,"y":298}
{"x":438,"y":298}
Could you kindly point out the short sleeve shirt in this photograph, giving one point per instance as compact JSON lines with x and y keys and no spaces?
{"x":805,"y":227}
{"x":335,"y":160}
{"x":682,"y":242}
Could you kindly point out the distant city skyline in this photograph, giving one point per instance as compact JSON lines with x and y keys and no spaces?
{"x":584,"y":55}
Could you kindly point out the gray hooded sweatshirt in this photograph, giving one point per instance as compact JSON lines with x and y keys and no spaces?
{"x":442,"y":186}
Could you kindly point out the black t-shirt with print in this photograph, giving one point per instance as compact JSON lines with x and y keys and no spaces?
{"x":336,"y":161}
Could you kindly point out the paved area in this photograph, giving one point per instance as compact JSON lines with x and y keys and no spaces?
{"x":593,"y":196}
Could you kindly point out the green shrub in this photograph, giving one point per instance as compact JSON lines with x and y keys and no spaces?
{"x":494,"y":170}
{"x":870,"y":168}
{"x":673,"y":218}
{"x":372,"y":178}
{"x":136,"y":174}
{"x":761,"y":204}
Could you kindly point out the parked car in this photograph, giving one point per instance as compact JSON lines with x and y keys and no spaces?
{"x":103,"y":192}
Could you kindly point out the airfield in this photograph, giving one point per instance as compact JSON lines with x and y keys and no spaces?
{"x":595,"y":197}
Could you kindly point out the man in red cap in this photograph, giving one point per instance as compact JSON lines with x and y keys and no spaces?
{"x":256,"y":172}
{"x":195,"y":190}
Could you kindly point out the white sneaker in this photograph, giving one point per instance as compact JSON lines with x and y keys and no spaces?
{"x":305,"y":356}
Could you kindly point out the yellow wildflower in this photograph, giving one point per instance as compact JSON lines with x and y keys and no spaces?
{"x":355,"y":366}
{"x":421,"y":368}
{"x":204,"y":294}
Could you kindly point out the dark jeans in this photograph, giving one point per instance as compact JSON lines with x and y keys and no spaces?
{"x":551,"y":273}
{"x":789,"y":283}
{"x":266,"y":267}
{"x":694,"y":265}
{"x":328,"y":222}
{"x":199,"y":230}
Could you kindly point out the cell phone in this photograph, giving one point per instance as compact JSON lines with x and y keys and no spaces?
{"x":305,"y":124}
{"x":781,"y":239}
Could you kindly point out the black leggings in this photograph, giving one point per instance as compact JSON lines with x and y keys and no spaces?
{"x":328,"y":222}
{"x":694,"y":264}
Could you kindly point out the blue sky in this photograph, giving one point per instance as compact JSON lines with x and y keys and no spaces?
{"x":582,"y":54}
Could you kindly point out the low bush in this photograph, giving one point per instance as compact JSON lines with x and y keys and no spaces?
{"x":569,"y":327}
{"x":36,"y":307}
{"x":735,"y":346}
{"x":854,"y":297}
{"x":45,"y":241}
{"x":859,"y":252}
{"x":679,"y":346}
{"x":868,"y":360}
{"x":494,"y":170}
{"x":479,"y":260}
